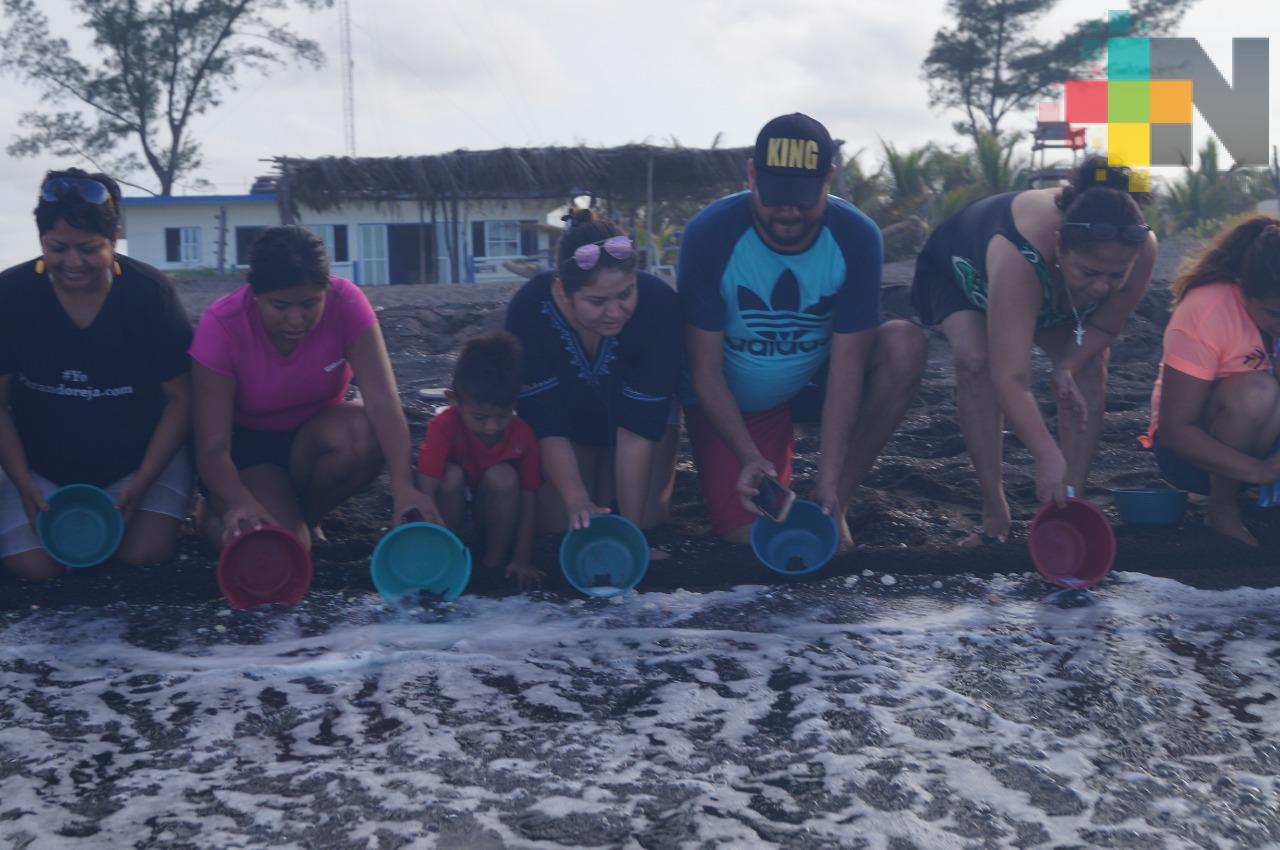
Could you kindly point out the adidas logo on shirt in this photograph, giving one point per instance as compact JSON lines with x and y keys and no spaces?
{"x":783,"y":318}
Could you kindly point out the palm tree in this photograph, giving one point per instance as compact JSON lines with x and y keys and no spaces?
{"x":996,"y":164}
{"x":962,"y":177}
{"x":1206,"y":195}
{"x":908,"y":191}
{"x":864,"y":190}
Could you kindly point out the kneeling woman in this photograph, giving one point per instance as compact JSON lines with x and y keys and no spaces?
{"x":276,"y":442}
{"x":1215,"y":412}
{"x":94,"y":380}
{"x":602,"y":358}
{"x":1060,"y":269}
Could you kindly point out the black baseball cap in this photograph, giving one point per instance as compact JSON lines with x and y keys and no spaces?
{"x":792,"y":158}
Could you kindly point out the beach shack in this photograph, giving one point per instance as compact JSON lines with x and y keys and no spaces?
{"x":373,"y":244}
{"x":460,"y":217}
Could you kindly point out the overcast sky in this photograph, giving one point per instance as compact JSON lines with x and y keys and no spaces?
{"x":437,"y":75}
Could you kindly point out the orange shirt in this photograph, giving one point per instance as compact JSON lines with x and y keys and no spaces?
{"x":1210,"y":336}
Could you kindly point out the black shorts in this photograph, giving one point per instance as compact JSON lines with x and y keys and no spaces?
{"x":255,"y":448}
{"x":935,"y":294}
{"x":1178,"y":471}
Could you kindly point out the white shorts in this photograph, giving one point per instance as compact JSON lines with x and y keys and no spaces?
{"x":169,"y":495}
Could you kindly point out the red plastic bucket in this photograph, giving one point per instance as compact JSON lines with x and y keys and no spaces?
{"x":1072,"y":547}
{"x":264,"y":566}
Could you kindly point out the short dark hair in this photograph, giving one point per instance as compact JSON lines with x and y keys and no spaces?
{"x":1098,"y":193}
{"x":103,"y":219}
{"x":488,"y":370}
{"x":586,"y":227}
{"x":287,"y":256}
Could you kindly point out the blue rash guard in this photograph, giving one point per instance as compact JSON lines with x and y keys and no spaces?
{"x":777,"y":310}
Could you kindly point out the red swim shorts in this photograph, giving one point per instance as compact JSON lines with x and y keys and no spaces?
{"x":719,"y":467}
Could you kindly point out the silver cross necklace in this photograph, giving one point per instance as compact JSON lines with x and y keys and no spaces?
{"x":1079,"y":331}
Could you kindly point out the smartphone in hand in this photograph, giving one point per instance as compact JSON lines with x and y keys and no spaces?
{"x":773,"y":500}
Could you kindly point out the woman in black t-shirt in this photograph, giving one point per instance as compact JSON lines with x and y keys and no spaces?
{"x":94,"y":385}
{"x":602,"y":358}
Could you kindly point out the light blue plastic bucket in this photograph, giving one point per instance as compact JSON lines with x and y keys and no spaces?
{"x":801,"y":545}
{"x":607,"y":558}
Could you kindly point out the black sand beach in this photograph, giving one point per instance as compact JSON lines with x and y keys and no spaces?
{"x":908,"y":696}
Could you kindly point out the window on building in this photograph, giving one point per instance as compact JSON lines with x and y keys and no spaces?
{"x":335,"y":241}
{"x":245,"y":237}
{"x":182,"y":245}
{"x":496,"y":239}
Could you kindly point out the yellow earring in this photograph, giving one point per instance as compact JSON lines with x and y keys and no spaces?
{"x":40,"y":266}
{"x":115,"y":267}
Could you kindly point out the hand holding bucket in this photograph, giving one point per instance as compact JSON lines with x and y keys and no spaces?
{"x":264,"y":566}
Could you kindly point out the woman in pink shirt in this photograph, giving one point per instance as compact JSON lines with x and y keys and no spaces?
{"x":275,"y":441}
{"x":1215,"y":411}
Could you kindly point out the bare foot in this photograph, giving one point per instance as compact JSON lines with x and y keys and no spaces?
{"x":207,"y":522}
{"x":846,"y":537}
{"x":994,"y":529}
{"x":1226,"y":521}
{"x":317,"y":534}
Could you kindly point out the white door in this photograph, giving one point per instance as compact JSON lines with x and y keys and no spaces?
{"x":374,"y":269}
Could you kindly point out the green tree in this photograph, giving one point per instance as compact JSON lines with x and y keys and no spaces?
{"x":154,"y":65}
{"x":1205,"y":196}
{"x":989,"y":64}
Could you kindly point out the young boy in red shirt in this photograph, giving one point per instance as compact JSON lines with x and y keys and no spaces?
{"x":479,"y":446}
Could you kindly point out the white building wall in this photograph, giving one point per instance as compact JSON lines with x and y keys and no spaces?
{"x":483,"y":269}
{"x":146,"y":221}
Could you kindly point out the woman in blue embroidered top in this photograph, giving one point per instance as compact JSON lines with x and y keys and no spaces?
{"x":602,"y":358}
{"x":1061,"y":269}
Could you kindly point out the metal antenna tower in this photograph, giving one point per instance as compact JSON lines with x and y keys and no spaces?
{"x":348,"y":85}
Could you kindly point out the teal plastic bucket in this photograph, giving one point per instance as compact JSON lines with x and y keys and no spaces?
{"x":607,"y":558}
{"x":82,"y":527}
{"x":420,"y":559}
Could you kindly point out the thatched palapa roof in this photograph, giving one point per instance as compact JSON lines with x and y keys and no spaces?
{"x":619,"y":174}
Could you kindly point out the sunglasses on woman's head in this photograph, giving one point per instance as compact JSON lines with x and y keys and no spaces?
{"x":587,"y":257}
{"x":58,"y":188}
{"x":1103,"y":232}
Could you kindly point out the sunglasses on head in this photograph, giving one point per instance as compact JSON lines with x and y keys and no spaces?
{"x":587,"y":257}
{"x":58,"y":188}
{"x":1103,"y":232}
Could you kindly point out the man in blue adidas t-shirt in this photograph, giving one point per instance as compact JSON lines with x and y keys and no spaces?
{"x":781,"y":292}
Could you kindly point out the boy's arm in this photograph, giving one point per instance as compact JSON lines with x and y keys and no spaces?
{"x":433,"y":459}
